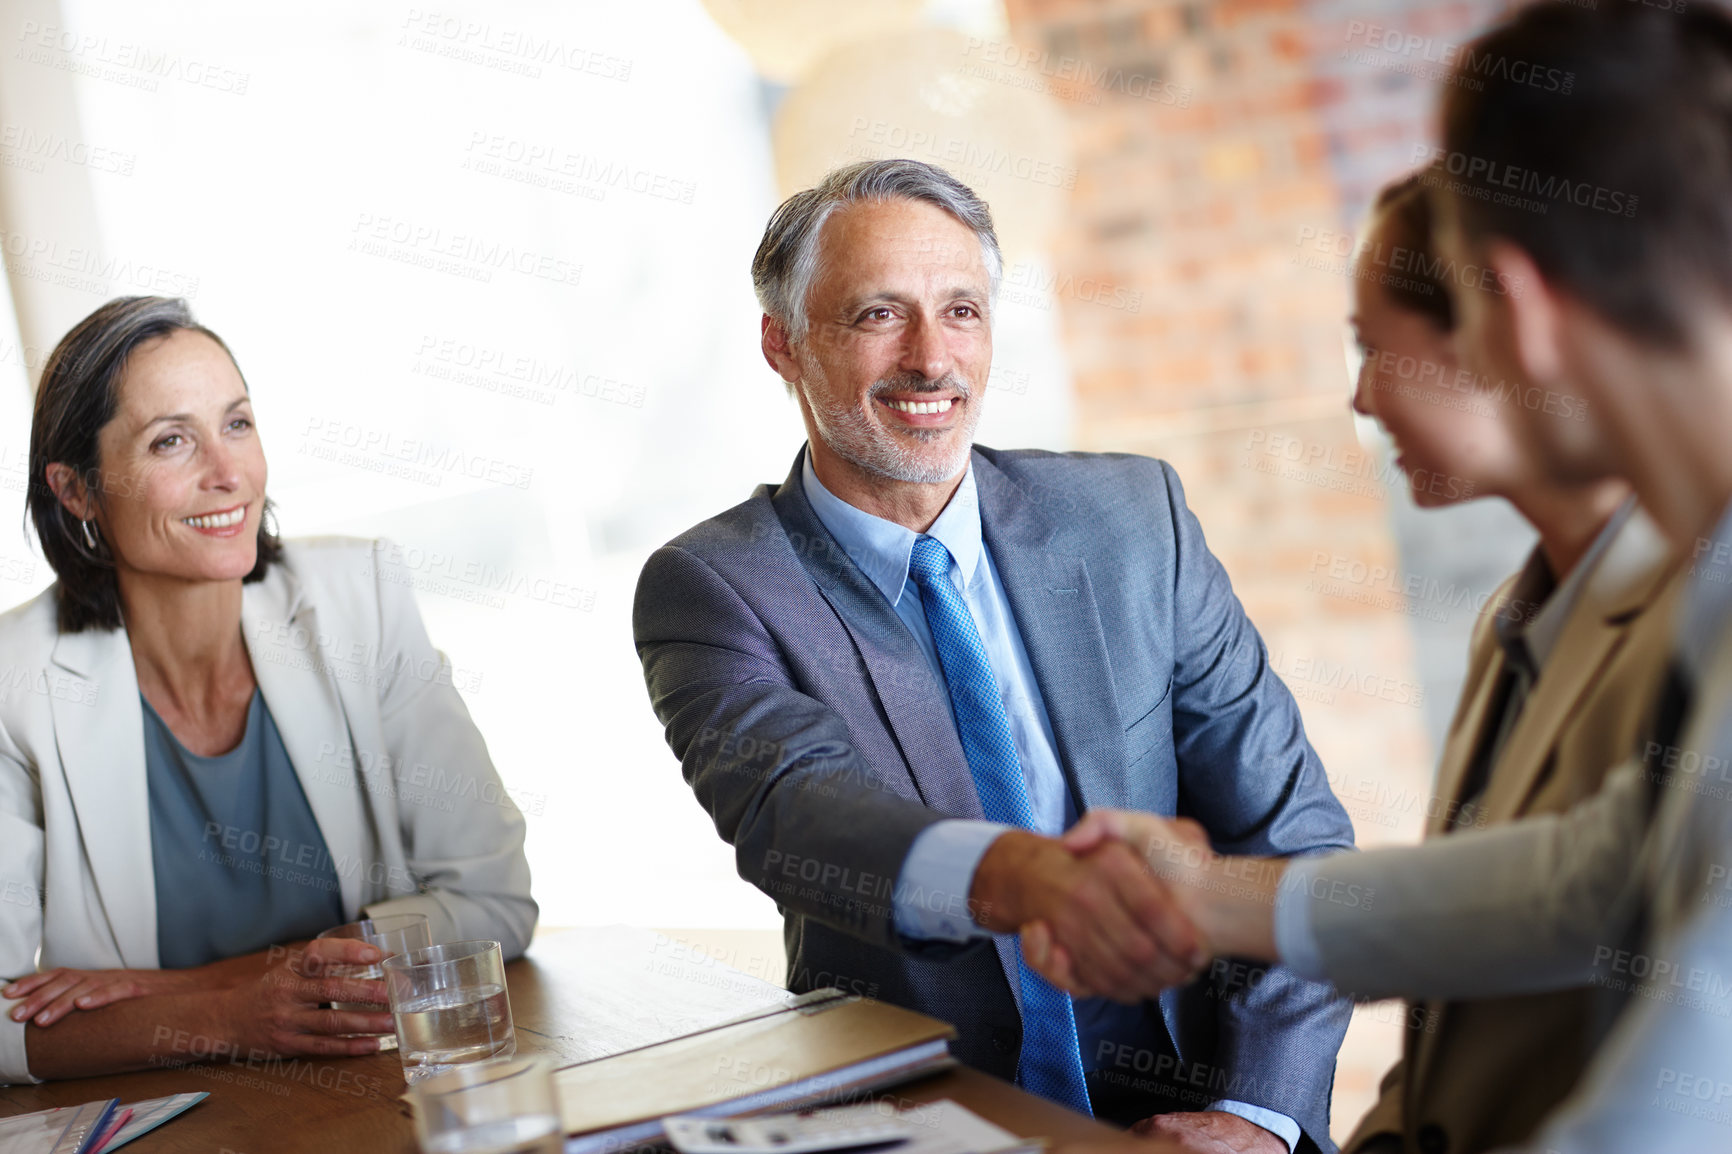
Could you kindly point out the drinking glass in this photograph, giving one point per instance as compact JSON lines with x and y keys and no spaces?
{"x":504,"y":1106}
{"x":451,"y":1007}
{"x":395,"y":934}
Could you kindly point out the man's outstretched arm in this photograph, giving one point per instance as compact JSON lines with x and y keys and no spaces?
{"x":825,"y":835}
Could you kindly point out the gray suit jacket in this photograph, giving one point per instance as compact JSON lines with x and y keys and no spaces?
{"x":811,"y":727}
{"x":1627,"y":892}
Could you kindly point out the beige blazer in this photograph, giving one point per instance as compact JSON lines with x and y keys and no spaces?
{"x":1477,"y":1075}
{"x":397,"y":776}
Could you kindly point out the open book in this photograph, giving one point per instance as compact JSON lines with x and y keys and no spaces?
{"x":828,"y":1046}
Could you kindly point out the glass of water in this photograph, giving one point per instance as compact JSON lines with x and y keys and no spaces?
{"x":450,"y":1004}
{"x":499,"y":1107}
{"x":395,"y":934}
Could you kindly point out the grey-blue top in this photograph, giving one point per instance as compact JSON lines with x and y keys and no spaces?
{"x":239,"y":859}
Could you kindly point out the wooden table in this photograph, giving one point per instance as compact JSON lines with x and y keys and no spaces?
{"x":578,"y":995}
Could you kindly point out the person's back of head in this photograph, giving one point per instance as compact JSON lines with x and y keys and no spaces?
{"x":1600,"y":142}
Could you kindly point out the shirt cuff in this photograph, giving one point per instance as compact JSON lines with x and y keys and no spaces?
{"x":931,"y":897}
{"x":1279,"y":1125}
{"x":14,"y":1069}
{"x":1295,"y":937}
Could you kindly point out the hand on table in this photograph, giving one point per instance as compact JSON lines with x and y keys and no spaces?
{"x":1208,"y":1132}
{"x":279,"y":1013}
{"x":49,"y":996}
{"x":1120,"y":931}
{"x":52,"y":994}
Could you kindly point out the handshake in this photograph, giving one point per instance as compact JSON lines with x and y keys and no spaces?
{"x":1126,"y":904}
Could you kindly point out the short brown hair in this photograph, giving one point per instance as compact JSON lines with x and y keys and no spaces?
{"x":1600,"y":143}
{"x":79,"y":395}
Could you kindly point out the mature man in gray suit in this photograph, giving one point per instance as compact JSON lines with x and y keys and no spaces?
{"x":896,"y":677}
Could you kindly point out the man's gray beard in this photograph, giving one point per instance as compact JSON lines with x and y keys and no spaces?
{"x":849,"y":434}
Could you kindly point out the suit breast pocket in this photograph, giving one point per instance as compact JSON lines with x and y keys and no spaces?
{"x":1152,"y":732}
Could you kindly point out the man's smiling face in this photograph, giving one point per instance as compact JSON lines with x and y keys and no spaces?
{"x":894,"y":363}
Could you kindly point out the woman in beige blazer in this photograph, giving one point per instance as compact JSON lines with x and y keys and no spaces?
{"x":1578,"y":638}
{"x":187,"y":664}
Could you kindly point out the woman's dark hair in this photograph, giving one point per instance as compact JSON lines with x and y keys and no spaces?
{"x":78,"y":396}
{"x":1402,"y":215}
{"x":1600,"y":143}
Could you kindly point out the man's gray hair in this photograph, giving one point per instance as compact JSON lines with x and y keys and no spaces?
{"x":787,"y":259}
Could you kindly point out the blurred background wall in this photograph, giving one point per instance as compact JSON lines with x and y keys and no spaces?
{"x":485,"y":269}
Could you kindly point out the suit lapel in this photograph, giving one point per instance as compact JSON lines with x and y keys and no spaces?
{"x":99,"y":732}
{"x":1053,"y":603}
{"x":1628,"y":578}
{"x":1625,"y":581}
{"x":280,"y":628}
{"x":1467,"y":734}
{"x":911,"y":697}
{"x":1466,"y":737}
{"x":1054,"y":608}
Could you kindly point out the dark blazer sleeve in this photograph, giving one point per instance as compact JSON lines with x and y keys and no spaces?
{"x":810,"y":823}
{"x":1250,"y":777}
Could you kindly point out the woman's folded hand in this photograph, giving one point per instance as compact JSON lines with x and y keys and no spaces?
{"x":52,"y":994}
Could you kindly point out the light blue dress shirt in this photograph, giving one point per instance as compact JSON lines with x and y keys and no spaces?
{"x":941,"y":863}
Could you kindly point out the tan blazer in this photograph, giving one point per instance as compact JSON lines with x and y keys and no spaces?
{"x":397,"y":775}
{"x":1476,"y":1075}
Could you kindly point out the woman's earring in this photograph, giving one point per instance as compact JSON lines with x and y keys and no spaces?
{"x":89,"y":535}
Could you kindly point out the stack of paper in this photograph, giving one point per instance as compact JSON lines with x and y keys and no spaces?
{"x":829,"y":1045}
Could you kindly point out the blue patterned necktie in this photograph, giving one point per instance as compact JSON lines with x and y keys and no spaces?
{"x":1051,"y":1064}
